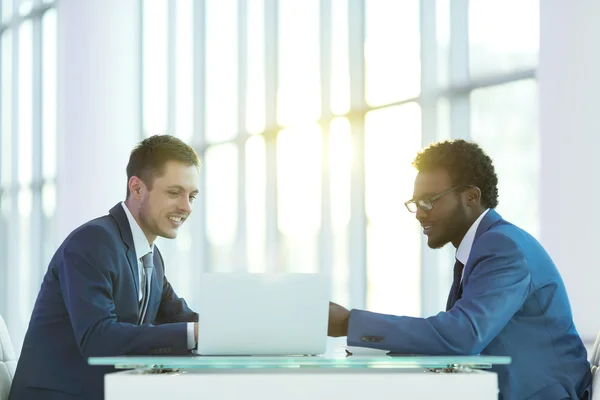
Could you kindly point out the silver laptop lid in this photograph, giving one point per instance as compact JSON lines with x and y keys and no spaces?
{"x":263,"y":314}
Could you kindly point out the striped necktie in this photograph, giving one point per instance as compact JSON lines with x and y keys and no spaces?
{"x":148,"y":267}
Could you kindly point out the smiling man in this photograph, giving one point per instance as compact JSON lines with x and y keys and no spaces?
{"x":507,"y":297}
{"x":105,"y":292}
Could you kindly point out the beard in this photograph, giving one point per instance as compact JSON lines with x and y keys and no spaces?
{"x":144,"y":214}
{"x":146,"y":222}
{"x":151,"y":224}
{"x":450,"y":228}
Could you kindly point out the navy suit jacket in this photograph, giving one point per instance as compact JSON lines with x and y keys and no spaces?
{"x":514,"y":303}
{"x":88,"y":307}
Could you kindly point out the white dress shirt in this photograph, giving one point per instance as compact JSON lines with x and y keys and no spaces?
{"x":464,"y":248}
{"x":142,"y":247}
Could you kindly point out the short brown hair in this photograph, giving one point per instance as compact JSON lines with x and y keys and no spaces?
{"x":148,"y":158}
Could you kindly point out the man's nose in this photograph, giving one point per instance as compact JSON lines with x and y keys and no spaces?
{"x":420,"y":214}
{"x":185,"y":205}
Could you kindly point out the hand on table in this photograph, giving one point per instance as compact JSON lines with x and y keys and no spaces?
{"x":338,"y":320}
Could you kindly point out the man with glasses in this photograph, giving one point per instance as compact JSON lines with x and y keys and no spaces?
{"x":507,"y":297}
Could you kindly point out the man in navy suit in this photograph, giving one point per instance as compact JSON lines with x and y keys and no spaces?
{"x":507,"y":297}
{"x":105,"y":292}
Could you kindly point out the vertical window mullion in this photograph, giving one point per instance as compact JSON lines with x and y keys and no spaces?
{"x":460,"y":121}
{"x":13,"y":318}
{"x":325,"y":234}
{"x":357,"y":240}
{"x":37,"y":224}
{"x":428,"y":102}
{"x":271,"y":130}
{"x":200,"y":251}
{"x":171,"y":65}
{"x":242,"y":76}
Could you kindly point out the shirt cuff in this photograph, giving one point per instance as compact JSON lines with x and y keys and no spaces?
{"x":191,"y":342}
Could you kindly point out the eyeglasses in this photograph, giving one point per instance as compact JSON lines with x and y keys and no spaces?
{"x":427,"y":204}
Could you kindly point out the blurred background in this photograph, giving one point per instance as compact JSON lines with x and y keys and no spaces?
{"x":306,"y":115}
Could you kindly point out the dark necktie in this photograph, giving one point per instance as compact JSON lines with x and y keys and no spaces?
{"x":456,"y":290}
{"x":145,"y":282}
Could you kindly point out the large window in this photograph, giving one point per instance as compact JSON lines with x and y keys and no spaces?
{"x":27,"y":153}
{"x":307,"y":116}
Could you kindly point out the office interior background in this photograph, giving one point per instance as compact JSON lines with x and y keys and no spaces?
{"x":306,"y":115}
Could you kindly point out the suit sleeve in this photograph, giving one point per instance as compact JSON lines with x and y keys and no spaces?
{"x":86,"y":275}
{"x":497,"y":288}
{"x":172,"y":307}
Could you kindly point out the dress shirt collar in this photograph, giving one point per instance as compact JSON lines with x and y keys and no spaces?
{"x":464,"y":249}
{"x":140,"y":242}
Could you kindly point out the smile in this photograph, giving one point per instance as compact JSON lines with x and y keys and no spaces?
{"x":177,"y":220}
{"x":427,"y":229}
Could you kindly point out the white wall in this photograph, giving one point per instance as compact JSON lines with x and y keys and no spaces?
{"x":569,"y":84}
{"x":98,"y":105}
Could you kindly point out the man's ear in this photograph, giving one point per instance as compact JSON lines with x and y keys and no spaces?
{"x":474,"y":195}
{"x":135,"y":186}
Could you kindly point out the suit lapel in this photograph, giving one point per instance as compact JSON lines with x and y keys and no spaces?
{"x":120,"y":217}
{"x":491,"y":218}
{"x":133,"y":266}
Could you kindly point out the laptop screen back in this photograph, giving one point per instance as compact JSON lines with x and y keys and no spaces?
{"x":263,"y":314}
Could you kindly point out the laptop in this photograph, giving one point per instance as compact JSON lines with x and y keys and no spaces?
{"x":262,"y":314}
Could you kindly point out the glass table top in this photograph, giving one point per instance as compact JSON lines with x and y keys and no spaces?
{"x":323,"y":361}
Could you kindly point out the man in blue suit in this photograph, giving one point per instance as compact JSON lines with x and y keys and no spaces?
{"x":507,"y":297}
{"x":105,"y":292}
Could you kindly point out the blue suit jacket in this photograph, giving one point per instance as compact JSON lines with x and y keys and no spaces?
{"x":88,"y":307}
{"x":514,"y":303}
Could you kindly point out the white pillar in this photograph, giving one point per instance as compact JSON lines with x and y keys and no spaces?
{"x":98,"y":105}
{"x":569,"y":83}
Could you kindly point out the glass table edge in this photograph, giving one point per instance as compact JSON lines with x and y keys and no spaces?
{"x":255,"y":362}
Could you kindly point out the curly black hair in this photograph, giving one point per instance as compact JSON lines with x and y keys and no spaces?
{"x":466,"y":163}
